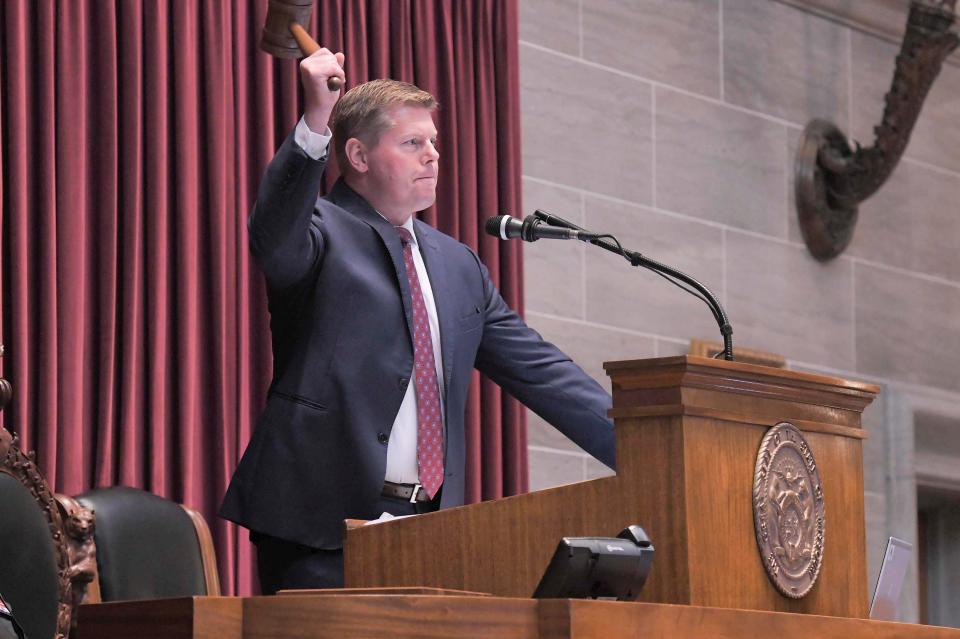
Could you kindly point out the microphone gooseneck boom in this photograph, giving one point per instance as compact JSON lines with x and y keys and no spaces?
{"x":672,"y":275}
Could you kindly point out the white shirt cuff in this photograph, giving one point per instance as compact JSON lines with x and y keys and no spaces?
{"x":313,"y":144}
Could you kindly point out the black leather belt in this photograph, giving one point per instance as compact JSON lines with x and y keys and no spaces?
{"x":414,"y":493}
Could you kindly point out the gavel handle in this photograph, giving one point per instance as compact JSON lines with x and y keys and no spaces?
{"x":309,"y":46}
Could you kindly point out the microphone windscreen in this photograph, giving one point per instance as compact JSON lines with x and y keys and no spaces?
{"x":492,"y":227}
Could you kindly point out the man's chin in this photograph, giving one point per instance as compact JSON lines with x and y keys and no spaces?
{"x":426,"y":202}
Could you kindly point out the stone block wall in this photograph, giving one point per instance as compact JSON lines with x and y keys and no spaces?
{"x":673,"y":124}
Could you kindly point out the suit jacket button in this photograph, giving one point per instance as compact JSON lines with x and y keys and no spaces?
{"x":383,"y":438}
{"x":402,"y":382}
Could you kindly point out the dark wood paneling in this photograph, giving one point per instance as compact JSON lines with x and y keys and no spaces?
{"x":562,"y":619}
{"x":394,"y":616}
{"x":426,"y":617}
{"x":182,"y":618}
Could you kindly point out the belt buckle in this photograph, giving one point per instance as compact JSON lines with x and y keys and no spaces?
{"x":416,"y":490}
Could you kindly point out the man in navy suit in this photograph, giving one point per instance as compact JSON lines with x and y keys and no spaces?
{"x":377,"y":321}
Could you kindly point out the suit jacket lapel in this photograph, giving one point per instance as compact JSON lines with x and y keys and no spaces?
{"x":348,"y":199}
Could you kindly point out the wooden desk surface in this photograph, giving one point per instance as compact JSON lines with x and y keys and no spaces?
{"x":182,"y":618}
{"x":341,"y":616}
{"x":579,"y":618}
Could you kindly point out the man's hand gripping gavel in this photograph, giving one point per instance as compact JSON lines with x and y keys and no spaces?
{"x":284,"y":36}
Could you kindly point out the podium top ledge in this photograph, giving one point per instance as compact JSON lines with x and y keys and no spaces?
{"x":689,"y":364}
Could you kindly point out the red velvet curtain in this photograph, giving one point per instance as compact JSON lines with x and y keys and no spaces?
{"x":134,"y":135}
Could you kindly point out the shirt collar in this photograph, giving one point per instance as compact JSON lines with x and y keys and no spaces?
{"x":407,"y":225}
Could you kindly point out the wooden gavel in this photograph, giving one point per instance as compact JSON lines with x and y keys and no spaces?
{"x":284,"y":35}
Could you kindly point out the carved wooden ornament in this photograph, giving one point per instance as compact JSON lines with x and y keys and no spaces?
{"x":23,"y":468}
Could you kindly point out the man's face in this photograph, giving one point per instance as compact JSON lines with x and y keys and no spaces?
{"x":403,"y":166}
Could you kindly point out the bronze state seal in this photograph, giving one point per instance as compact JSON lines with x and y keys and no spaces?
{"x":788,"y":510}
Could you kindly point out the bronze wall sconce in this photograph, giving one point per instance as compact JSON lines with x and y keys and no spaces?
{"x":831,"y":177}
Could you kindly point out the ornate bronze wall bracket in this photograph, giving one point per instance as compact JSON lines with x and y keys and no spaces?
{"x":832,"y":178}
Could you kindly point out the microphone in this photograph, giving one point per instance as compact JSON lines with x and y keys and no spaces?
{"x":532,"y":229}
{"x":555,"y":220}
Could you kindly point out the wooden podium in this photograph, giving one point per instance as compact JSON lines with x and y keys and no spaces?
{"x":688,"y":430}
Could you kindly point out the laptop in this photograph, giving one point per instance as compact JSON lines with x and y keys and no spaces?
{"x":893,"y":573}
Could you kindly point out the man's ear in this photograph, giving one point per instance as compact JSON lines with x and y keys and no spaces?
{"x":356,"y":154}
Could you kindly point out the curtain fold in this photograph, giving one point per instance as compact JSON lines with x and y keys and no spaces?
{"x":133,"y":136}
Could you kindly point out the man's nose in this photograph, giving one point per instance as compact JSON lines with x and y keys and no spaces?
{"x":432,"y":153}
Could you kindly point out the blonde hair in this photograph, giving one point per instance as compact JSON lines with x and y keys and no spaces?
{"x":362,"y":112}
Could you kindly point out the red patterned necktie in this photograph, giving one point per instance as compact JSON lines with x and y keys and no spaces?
{"x":429,"y":421}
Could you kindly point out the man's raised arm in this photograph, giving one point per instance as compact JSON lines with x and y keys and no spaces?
{"x":282,"y":239}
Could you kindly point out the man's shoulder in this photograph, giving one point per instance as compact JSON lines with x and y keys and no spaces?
{"x":447,"y":243}
{"x":343,"y":208}
{"x":342,"y":199}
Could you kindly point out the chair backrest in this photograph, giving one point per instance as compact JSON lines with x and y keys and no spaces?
{"x":34,"y":577}
{"x":149,"y":547}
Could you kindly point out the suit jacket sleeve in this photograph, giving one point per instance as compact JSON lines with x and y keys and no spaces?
{"x":542,"y":377}
{"x":284,"y":232}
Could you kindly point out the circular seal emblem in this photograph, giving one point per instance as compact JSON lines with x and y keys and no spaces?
{"x":788,"y":510}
